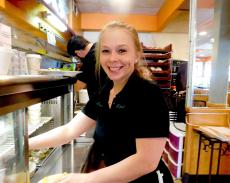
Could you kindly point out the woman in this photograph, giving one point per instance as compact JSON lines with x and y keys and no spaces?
{"x":130,"y":111}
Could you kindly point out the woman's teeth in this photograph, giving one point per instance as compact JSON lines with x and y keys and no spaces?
{"x":116,"y":68}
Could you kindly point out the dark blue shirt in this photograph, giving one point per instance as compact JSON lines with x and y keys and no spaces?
{"x":88,"y":74}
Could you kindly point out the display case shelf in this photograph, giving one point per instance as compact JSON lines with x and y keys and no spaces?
{"x":7,"y":148}
{"x":17,"y":94}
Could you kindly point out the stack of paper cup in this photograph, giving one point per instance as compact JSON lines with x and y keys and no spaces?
{"x":33,"y":63}
{"x":2,"y":174}
{"x":34,"y":114}
{"x":5,"y":59}
{"x":83,"y":96}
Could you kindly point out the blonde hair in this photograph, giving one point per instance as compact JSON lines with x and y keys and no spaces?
{"x":121,"y":25}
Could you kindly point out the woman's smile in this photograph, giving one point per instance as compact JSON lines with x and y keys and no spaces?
{"x":115,"y":68}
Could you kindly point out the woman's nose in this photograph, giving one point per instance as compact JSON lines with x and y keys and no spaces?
{"x":113,"y":56}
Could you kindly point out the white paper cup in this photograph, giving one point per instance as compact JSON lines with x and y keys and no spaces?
{"x":33,"y":63}
{"x":5,"y":60}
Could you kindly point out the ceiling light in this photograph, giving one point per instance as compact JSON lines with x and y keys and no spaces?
{"x":54,"y":21}
{"x":123,"y":6}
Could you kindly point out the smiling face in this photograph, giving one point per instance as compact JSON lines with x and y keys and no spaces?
{"x":118,"y":54}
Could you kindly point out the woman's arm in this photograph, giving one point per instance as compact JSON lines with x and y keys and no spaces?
{"x":63,"y":134}
{"x":146,"y":159}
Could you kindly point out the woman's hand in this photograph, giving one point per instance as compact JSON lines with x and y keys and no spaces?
{"x":72,"y":178}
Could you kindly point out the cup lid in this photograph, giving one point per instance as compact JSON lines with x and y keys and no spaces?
{"x":33,"y":56}
{"x":6,"y":49}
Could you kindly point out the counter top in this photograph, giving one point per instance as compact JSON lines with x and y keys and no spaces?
{"x":17,"y":92}
{"x":38,"y":81}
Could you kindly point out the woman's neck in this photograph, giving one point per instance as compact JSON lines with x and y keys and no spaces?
{"x":118,"y":86}
{"x":88,"y":47}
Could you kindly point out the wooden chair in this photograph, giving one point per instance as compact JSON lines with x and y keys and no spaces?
{"x":193,"y":120}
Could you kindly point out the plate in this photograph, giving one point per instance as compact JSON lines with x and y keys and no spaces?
{"x":58,"y":73}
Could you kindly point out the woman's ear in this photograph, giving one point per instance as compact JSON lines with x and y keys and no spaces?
{"x":79,"y":53}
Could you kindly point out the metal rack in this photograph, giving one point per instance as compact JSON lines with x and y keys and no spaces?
{"x":214,"y":145}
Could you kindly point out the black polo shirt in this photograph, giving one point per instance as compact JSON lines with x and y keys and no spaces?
{"x":138,"y":111}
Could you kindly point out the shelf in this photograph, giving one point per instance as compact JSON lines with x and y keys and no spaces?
{"x":164,"y":85}
{"x":24,"y":18}
{"x":162,"y":72}
{"x":159,"y":62}
{"x":166,"y":49}
{"x":162,"y":78}
{"x":57,"y":14}
{"x":157,"y":56}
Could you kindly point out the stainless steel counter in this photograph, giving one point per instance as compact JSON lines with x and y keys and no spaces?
{"x":68,"y":158}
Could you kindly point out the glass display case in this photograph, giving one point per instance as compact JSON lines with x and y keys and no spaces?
{"x":30,"y":105}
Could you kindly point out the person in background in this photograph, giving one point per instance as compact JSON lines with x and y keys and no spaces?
{"x":181,"y":84}
{"x":130,"y":110}
{"x":181,"y":78}
{"x":80,"y":47}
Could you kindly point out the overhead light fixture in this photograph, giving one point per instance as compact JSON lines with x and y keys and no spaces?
{"x":54,"y":21}
{"x":122,"y":6}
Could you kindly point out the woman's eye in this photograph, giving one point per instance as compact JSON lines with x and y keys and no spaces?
{"x":104,"y":51}
{"x":122,"y":50}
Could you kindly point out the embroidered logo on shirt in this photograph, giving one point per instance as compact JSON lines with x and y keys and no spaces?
{"x":119,"y":106}
{"x":99,"y":104}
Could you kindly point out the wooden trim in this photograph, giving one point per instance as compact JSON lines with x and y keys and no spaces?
{"x":167,"y":11}
{"x":96,"y":21}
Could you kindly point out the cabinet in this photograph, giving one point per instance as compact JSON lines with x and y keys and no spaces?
{"x":174,"y":149}
{"x":17,"y":94}
{"x":159,"y":62}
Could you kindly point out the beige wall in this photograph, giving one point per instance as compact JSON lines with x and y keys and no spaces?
{"x":179,"y":43}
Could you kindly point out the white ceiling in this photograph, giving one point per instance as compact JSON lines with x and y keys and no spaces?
{"x":146,"y":7}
